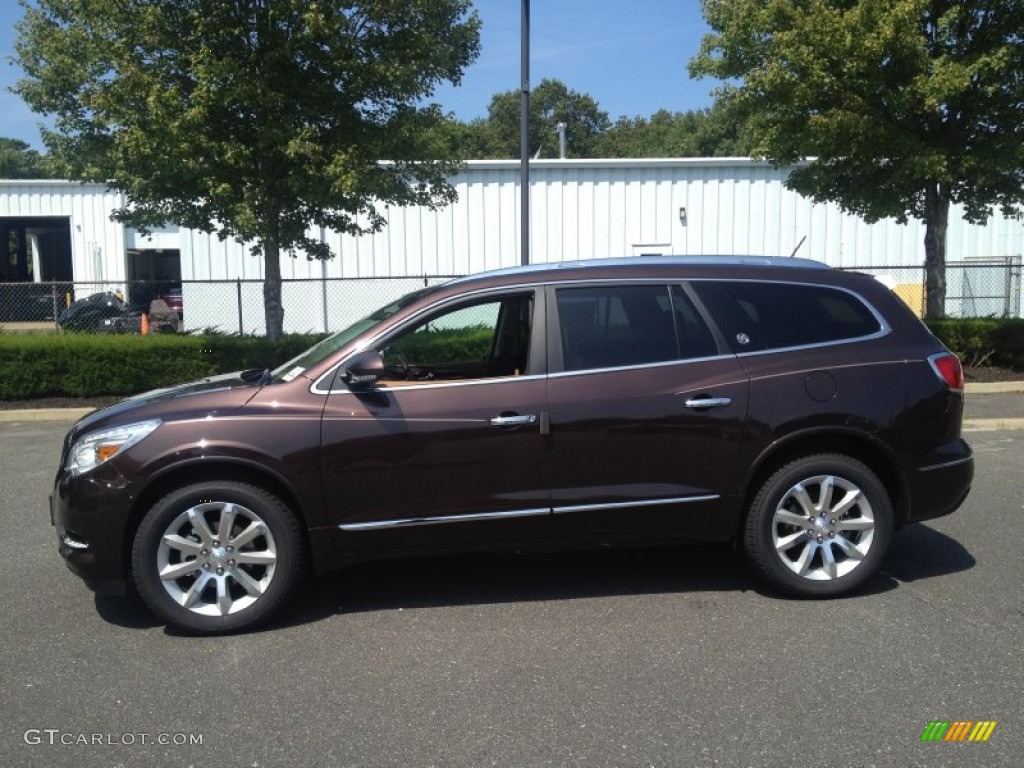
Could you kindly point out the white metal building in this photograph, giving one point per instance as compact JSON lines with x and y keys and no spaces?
{"x":579,"y":209}
{"x":584,"y":209}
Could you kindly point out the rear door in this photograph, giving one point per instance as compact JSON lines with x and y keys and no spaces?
{"x":647,"y":411}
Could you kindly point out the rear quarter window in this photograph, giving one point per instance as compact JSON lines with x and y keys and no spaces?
{"x":778,"y":315}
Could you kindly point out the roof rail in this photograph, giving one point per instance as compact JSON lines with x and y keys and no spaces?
{"x":679,"y":261}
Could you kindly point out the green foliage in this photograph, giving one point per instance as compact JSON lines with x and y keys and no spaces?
{"x":697,"y":133}
{"x":88,"y":365}
{"x":254,"y":120}
{"x":444,"y":345}
{"x":714,"y":132}
{"x":906,"y":106}
{"x":19,"y":161}
{"x":983,"y":341}
{"x":551,"y":102}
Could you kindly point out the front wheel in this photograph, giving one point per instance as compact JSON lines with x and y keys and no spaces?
{"x":819,"y":526}
{"x":217,"y":557}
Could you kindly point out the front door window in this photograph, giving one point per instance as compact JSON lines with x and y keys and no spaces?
{"x":488,"y":339}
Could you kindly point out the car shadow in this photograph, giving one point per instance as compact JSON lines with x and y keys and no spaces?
{"x":126,"y":611}
{"x":530,"y":577}
{"x":920,"y":552}
{"x":917,"y":552}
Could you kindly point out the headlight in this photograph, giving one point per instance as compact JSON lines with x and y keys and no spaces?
{"x":89,"y":451}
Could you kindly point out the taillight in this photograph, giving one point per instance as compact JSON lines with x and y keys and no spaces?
{"x":947,"y":367}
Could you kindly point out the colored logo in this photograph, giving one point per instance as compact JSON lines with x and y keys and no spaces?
{"x":958,"y":730}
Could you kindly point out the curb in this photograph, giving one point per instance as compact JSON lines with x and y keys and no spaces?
{"x":45,"y":414}
{"x":992,"y":425}
{"x":970,"y":425}
{"x":995,"y":388}
{"x":70,"y":415}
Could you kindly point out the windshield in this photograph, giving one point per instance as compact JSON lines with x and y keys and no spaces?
{"x":324,"y":349}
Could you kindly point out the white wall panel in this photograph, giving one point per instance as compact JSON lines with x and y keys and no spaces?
{"x":163,"y":237}
{"x":579,"y":209}
{"x":97,"y":243}
{"x":490,"y":235}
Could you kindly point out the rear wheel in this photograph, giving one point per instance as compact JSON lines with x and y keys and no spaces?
{"x":819,"y":526}
{"x":217,"y":557}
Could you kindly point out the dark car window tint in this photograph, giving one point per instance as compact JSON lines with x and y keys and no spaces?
{"x":787,"y":315}
{"x":612,"y":326}
{"x":471,"y":341}
{"x":695,"y":338}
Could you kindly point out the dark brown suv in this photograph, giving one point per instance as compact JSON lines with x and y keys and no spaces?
{"x":800,"y":411}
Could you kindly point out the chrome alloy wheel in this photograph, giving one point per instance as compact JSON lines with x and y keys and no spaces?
{"x":823,"y":527}
{"x":216,"y":558}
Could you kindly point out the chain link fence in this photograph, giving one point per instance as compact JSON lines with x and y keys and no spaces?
{"x":32,"y":302}
{"x":975,"y":288}
{"x":310,"y":306}
{"x":225,"y":306}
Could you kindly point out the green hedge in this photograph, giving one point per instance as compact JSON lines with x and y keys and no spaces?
{"x":445,"y":345}
{"x":983,"y":341}
{"x":87,"y":365}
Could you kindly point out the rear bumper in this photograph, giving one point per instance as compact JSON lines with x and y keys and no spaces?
{"x":940,"y":483}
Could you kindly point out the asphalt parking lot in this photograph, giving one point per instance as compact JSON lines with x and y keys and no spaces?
{"x":655,"y":658}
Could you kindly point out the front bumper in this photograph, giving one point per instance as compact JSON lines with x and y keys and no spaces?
{"x":940,"y":483}
{"x":91,"y":513}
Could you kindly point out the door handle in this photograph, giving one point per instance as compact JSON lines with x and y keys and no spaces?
{"x":513,"y":420}
{"x":697,"y":403}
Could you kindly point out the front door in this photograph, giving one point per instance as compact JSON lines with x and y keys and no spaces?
{"x":447,"y":449}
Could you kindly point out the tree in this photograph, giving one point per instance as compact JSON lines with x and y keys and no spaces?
{"x":19,"y":161}
{"x":907,"y":106}
{"x":253,"y":119}
{"x":551,"y":102}
{"x":695,"y":133}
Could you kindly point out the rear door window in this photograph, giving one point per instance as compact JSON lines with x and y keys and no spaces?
{"x":695,"y":338}
{"x":614,"y":326}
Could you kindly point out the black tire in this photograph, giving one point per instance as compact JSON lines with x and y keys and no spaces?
{"x":808,"y":541}
{"x":235,"y":584}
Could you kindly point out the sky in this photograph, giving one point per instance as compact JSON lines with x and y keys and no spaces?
{"x":629,"y":55}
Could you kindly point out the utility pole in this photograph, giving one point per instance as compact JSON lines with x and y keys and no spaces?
{"x":524,"y":134}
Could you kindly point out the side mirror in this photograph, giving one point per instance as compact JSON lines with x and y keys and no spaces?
{"x":363,"y":370}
